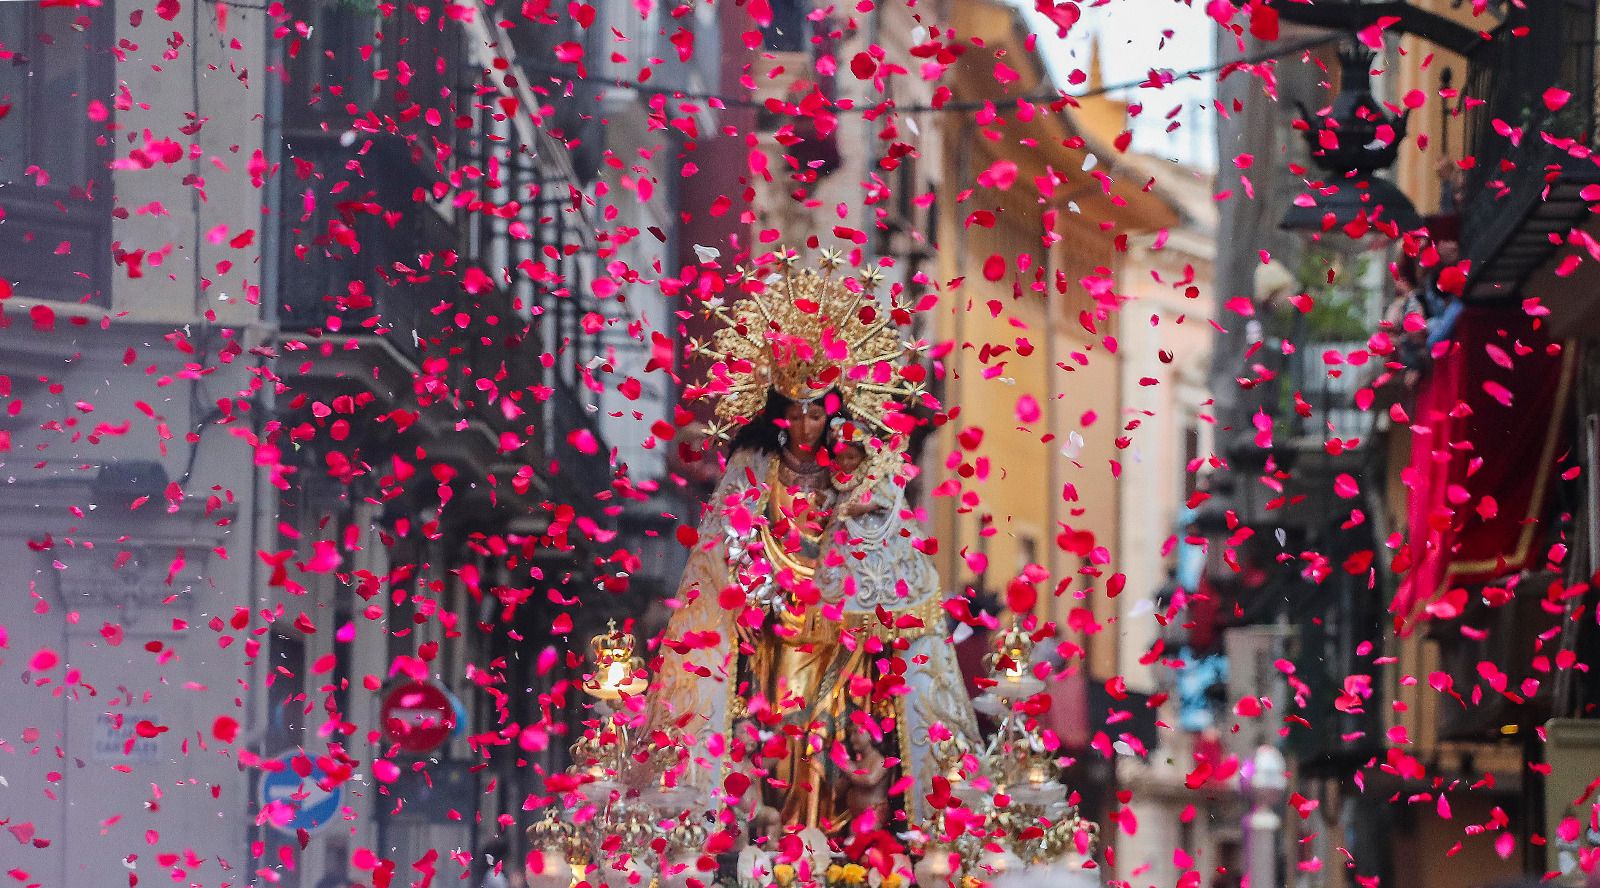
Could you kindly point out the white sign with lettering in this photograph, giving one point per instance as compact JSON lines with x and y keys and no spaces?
{"x":113,"y":732}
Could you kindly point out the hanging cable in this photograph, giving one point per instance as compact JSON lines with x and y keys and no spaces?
{"x":564,"y":77}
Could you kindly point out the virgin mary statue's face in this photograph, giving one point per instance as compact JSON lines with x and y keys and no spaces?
{"x":807,"y":422}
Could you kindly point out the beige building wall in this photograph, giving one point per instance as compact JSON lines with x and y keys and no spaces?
{"x":186,"y":272}
{"x":1166,"y":338}
{"x":92,"y":800}
{"x":861,"y":192}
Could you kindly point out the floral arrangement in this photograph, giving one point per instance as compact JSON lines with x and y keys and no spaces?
{"x":841,"y":875}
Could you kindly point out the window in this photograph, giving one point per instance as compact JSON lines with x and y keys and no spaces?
{"x":55,"y":188}
{"x":789,"y":31}
{"x":1027,"y":550}
{"x":1191,"y":456}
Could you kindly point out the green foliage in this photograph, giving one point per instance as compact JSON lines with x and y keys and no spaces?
{"x":1571,"y":122}
{"x":1339,"y":308}
{"x":1339,"y":312}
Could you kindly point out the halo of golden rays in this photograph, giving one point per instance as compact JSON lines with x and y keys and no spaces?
{"x":804,"y":332}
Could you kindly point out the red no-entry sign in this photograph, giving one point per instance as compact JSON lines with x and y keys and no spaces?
{"x":418,"y":717}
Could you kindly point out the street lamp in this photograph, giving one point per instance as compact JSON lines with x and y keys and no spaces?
{"x":1265,"y":781}
{"x":1350,"y":144}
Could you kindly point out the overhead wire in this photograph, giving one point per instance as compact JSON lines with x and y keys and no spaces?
{"x":746,"y":102}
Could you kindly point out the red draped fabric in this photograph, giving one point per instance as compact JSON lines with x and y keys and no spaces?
{"x":1489,"y":427}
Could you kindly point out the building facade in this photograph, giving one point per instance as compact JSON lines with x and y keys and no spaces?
{"x":1469,"y":590}
{"x":314,"y":396}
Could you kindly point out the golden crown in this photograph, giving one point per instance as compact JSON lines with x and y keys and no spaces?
{"x":1013,"y":652}
{"x":803,"y":333}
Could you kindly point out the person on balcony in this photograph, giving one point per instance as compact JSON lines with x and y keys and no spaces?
{"x":1405,"y":319}
{"x":1442,"y":305}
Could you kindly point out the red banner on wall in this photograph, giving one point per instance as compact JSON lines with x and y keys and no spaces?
{"x":1489,"y":427}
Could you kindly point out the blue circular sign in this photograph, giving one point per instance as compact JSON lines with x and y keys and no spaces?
{"x":314,"y":804}
{"x":460,"y":729}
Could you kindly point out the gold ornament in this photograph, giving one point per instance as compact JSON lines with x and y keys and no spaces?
{"x":804,"y":333}
{"x":618,"y":671}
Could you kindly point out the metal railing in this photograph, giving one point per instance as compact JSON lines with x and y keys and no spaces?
{"x":1326,"y":379}
{"x":1516,"y":142}
{"x":354,"y":265}
{"x":371,"y":260}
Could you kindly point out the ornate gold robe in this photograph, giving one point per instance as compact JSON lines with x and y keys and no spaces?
{"x":866,"y":563}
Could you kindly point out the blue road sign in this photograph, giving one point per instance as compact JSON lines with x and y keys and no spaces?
{"x":314,"y":807}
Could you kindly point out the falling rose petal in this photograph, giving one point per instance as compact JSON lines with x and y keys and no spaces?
{"x":1021,"y":596}
{"x":1263,"y":426}
{"x":325,"y":557}
{"x":583,"y":441}
{"x":1001,"y":174}
{"x":1263,"y":21}
{"x":1346,"y":487}
{"x":1555,"y":98}
{"x":1504,"y":845}
{"x":44,"y":660}
{"x":1222,"y":11}
{"x":1498,"y":392}
{"x":1027,"y":410}
{"x":1372,"y":35}
{"x":547,"y":660}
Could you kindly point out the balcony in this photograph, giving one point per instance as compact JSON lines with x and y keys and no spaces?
{"x":384,"y":294}
{"x":55,"y":188}
{"x":1531,"y":164}
{"x":352,"y":268}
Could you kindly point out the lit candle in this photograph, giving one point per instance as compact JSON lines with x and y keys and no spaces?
{"x":616,"y":675}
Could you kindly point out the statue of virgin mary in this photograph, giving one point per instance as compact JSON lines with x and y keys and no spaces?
{"x":806,"y":662}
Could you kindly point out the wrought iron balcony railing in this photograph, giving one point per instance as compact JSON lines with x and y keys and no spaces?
{"x":1529,"y":161}
{"x":372,"y":260}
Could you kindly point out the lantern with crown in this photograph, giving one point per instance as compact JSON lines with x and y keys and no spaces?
{"x":1009,"y":788}
{"x":618,"y":671}
{"x":622,"y":820}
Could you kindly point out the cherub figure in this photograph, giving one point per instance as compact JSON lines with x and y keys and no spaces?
{"x":867,"y":780}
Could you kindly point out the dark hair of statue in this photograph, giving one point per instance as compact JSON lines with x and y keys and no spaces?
{"x":761,"y":433}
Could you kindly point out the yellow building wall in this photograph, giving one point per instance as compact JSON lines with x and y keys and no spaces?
{"x":1021,"y":508}
{"x":1423,"y":66}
